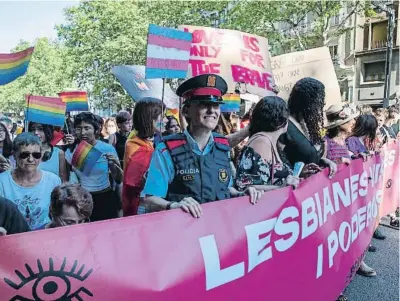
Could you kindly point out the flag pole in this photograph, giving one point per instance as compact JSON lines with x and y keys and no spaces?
{"x":27,"y":113}
{"x":66,"y":125}
{"x":162,"y":99}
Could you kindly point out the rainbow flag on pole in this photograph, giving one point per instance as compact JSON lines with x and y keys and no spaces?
{"x":85,"y":157}
{"x":46,"y":110}
{"x":14,"y":65}
{"x":168,"y":52}
{"x":75,"y":100}
{"x":231,"y":103}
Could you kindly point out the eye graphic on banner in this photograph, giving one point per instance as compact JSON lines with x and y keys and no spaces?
{"x":51,"y":284}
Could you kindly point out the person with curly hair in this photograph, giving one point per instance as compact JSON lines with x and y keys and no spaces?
{"x":260,"y":165}
{"x":70,"y":204}
{"x":303,"y":141}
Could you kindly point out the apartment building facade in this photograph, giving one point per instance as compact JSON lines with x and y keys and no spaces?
{"x":370,"y":58}
{"x":359,"y":55}
{"x":342,"y":48}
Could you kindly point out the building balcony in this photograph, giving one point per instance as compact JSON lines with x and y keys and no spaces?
{"x":379,"y":44}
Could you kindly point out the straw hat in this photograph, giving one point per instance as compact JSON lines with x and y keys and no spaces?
{"x":337,"y":115}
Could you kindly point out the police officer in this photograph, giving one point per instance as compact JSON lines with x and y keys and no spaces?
{"x":193,"y":167}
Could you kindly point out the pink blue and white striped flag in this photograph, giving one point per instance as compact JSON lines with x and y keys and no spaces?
{"x":168,"y":52}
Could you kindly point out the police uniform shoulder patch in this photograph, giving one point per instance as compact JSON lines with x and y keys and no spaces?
{"x":222,"y":175}
{"x":211,"y":81}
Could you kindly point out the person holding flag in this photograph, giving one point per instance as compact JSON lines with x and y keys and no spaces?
{"x":104,"y":166}
{"x":191,"y":168}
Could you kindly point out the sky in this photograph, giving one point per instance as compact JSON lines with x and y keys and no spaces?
{"x":29,"y":20}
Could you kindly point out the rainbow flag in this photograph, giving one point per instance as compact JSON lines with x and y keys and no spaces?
{"x":172,"y":112}
{"x":168,"y":52}
{"x":76,"y":100}
{"x":46,"y":110}
{"x":85,"y":157}
{"x":231,"y":103}
{"x":14,"y":65}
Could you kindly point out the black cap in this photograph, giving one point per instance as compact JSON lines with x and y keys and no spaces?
{"x":205,"y":87}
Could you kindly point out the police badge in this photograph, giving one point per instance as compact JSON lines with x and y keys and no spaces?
{"x":223,"y":175}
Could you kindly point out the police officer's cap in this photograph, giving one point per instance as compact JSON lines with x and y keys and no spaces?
{"x":204,"y":88}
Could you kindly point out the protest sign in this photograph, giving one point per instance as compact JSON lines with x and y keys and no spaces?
{"x":310,"y":239}
{"x":317,"y":63}
{"x":132,"y":78}
{"x":234,"y":55}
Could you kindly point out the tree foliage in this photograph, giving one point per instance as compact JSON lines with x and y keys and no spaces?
{"x":103,"y":34}
{"x":283,"y":22}
{"x":49,"y":72}
{"x":98,"y":35}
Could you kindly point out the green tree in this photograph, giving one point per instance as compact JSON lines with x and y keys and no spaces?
{"x":103,"y":34}
{"x":283,"y":22}
{"x":49,"y":72}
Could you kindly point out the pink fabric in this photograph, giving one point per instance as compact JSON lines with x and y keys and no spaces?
{"x":236,"y":251}
{"x":335,"y":151}
{"x":166,"y":64}
{"x":168,"y":42}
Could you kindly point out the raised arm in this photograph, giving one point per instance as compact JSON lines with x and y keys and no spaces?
{"x":235,"y":138}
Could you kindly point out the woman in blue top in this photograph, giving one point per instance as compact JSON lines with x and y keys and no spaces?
{"x":106,"y":203}
{"x":53,"y":158}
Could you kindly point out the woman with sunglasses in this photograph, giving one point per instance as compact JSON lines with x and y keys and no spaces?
{"x":106,"y":175}
{"x":26,"y":185}
{"x":53,"y":158}
{"x":7,"y":160}
{"x":70,"y":205}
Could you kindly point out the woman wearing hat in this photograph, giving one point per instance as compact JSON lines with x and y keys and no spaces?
{"x":340,"y":122}
{"x":193,"y":167}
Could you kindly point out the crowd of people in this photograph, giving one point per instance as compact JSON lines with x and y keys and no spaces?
{"x":151,"y":162}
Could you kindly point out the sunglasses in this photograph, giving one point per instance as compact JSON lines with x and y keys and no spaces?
{"x":25,"y":155}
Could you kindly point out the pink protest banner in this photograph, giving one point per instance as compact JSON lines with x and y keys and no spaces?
{"x":310,"y":240}
{"x":236,"y":56}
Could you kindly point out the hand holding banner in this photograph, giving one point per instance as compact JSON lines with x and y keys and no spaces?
{"x":311,"y":239}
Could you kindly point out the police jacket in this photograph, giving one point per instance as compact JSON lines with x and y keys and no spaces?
{"x":205,"y":178}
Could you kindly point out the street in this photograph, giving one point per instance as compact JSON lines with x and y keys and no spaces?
{"x":385,"y":261}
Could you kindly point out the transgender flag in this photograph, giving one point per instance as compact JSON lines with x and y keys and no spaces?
{"x":168,"y":52}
